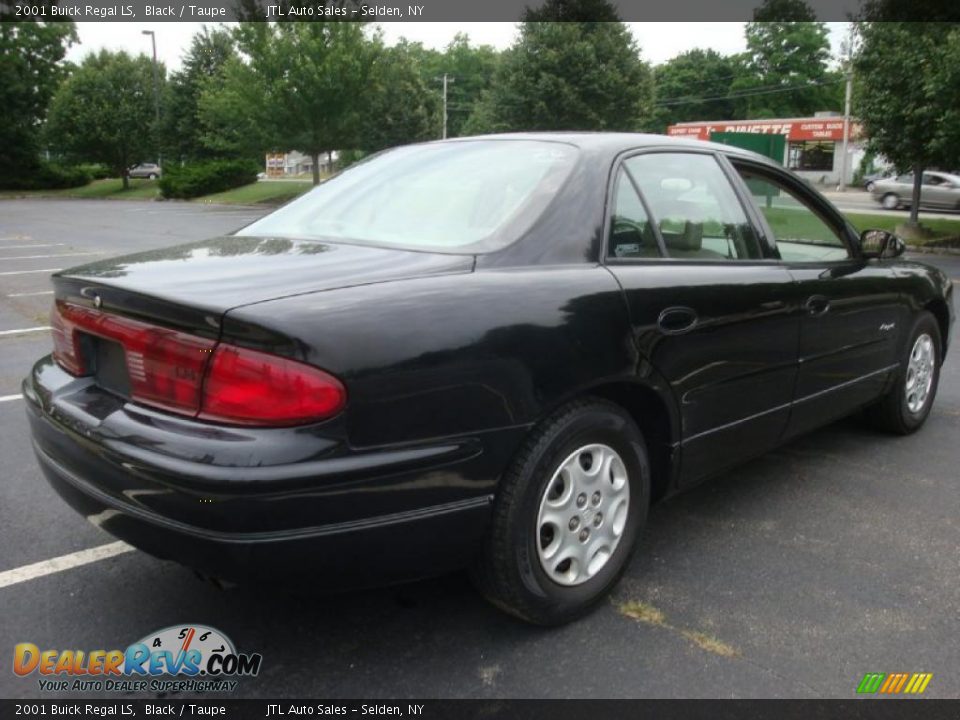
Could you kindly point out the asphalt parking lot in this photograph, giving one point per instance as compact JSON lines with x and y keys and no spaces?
{"x":792,"y":576}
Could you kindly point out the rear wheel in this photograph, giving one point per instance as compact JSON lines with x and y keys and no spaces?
{"x":890,"y":201}
{"x":567,"y":514}
{"x":907,"y":404}
{"x":153,"y":176}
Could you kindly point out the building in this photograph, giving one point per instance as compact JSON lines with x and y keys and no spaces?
{"x":814,"y":146}
{"x":294,"y":163}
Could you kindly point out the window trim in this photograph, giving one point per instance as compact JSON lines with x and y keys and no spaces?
{"x":746,"y":204}
{"x":812,"y":200}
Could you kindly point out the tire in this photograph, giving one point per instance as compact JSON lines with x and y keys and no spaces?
{"x":900,"y":410}
{"x":891,"y":201}
{"x":511,"y":572}
{"x":153,"y":176}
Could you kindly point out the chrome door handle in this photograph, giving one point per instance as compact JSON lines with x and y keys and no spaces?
{"x":817,"y":305}
{"x":677,"y":320}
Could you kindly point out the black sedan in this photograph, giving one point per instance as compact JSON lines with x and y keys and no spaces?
{"x":491,"y":353}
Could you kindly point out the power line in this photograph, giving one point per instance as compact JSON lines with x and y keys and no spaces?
{"x":771,"y":89}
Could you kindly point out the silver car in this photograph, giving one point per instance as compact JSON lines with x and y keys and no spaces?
{"x":939,"y":191}
{"x":145,"y":170}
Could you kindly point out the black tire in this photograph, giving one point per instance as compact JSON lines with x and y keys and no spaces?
{"x":153,"y":176}
{"x":509,"y":572}
{"x":892,"y":412}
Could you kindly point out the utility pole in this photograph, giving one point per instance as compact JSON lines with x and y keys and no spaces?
{"x":446,"y":80}
{"x":156,"y":89}
{"x":845,"y":159}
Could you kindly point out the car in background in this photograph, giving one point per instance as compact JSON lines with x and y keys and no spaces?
{"x":939,"y":191}
{"x":145,"y":170}
{"x":872,"y":179}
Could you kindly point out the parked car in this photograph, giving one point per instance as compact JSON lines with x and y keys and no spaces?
{"x":145,"y":170}
{"x":938,"y":191}
{"x":490,"y":353}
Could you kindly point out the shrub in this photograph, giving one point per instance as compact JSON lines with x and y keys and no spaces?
{"x":96,"y":171}
{"x":47,"y":176}
{"x":204,"y":178}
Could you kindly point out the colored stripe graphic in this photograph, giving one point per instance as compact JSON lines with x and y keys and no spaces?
{"x":894,"y":683}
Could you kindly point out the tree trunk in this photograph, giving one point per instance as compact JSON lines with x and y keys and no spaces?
{"x":329,"y":162}
{"x":915,"y":196}
{"x":126,"y":178}
{"x":315,"y":156}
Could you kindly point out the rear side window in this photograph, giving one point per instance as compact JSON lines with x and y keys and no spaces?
{"x":631,"y":235}
{"x":800,"y":233}
{"x":694,"y":207}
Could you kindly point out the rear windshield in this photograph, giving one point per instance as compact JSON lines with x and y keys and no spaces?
{"x":459,"y":197}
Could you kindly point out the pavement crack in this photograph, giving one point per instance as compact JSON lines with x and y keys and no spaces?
{"x":650,"y":615}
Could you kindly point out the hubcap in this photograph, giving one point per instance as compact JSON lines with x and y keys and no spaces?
{"x":919,"y":374}
{"x":583,"y":513}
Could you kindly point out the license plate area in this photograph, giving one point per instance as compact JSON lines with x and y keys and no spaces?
{"x":109,"y":364}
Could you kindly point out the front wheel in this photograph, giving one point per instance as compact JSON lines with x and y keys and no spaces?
{"x":890,"y":201}
{"x":153,"y":176}
{"x":907,"y":404}
{"x":567,"y":514}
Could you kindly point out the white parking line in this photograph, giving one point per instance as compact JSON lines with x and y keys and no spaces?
{"x":22,"y":247}
{"x":27,"y":272}
{"x":8,"y":398}
{"x":30,"y":294}
{"x":25,"y":330}
{"x":43,"y":257}
{"x":64,"y":562}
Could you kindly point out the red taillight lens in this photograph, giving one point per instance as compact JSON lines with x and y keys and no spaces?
{"x":166,"y":369}
{"x":254,"y":388}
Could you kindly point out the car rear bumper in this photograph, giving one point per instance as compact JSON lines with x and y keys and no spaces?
{"x":243,"y":504}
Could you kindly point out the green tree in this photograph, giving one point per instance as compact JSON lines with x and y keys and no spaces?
{"x":567,"y":76}
{"x":907,"y":81}
{"x":402,"y":109}
{"x":787,"y":70}
{"x":203,"y":69}
{"x":694,"y":85}
{"x":31,"y":69}
{"x":311,"y":81}
{"x":104,"y":112}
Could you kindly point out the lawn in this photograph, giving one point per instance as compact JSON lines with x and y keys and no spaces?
{"x":266,"y":192}
{"x":943,"y":229}
{"x":110,"y":188}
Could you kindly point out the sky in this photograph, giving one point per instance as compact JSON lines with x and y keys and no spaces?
{"x":658,"y":41}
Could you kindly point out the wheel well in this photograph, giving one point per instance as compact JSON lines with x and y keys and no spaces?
{"x":939,"y":310}
{"x":650,"y":414}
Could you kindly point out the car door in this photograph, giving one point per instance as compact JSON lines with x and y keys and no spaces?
{"x":852,"y":310}
{"x":937,"y":191}
{"x":707,"y":304}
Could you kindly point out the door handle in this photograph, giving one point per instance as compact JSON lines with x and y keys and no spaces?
{"x":677,"y":320}
{"x":817,"y":305}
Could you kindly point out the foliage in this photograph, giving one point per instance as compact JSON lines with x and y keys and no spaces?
{"x":567,"y":76}
{"x":694,"y":86}
{"x":101,"y":112}
{"x":31,"y":69}
{"x":48,"y":176}
{"x":786,"y":71}
{"x":96,"y":171}
{"x":204,"y":178}
{"x":401,"y":107}
{"x":470,"y":68}
{"x":203,"y":70}
{"x":907,"y":84}
{"x":303,"y":86}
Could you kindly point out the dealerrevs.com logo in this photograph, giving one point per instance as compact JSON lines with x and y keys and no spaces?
{"x":180,"y":658}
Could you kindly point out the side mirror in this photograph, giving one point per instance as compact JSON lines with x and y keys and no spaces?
{"x":881,"y":244}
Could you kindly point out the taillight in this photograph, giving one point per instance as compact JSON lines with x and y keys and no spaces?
{"x":255,"y":388}
{"x":169,"y":369}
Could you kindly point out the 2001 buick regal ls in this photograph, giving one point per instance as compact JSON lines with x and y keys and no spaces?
{"x":491,"y":352}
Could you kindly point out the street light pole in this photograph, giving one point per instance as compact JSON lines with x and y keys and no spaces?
{"x":156,"y":88}
{"x":446,"y":80}
{"x":844,"y":161}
